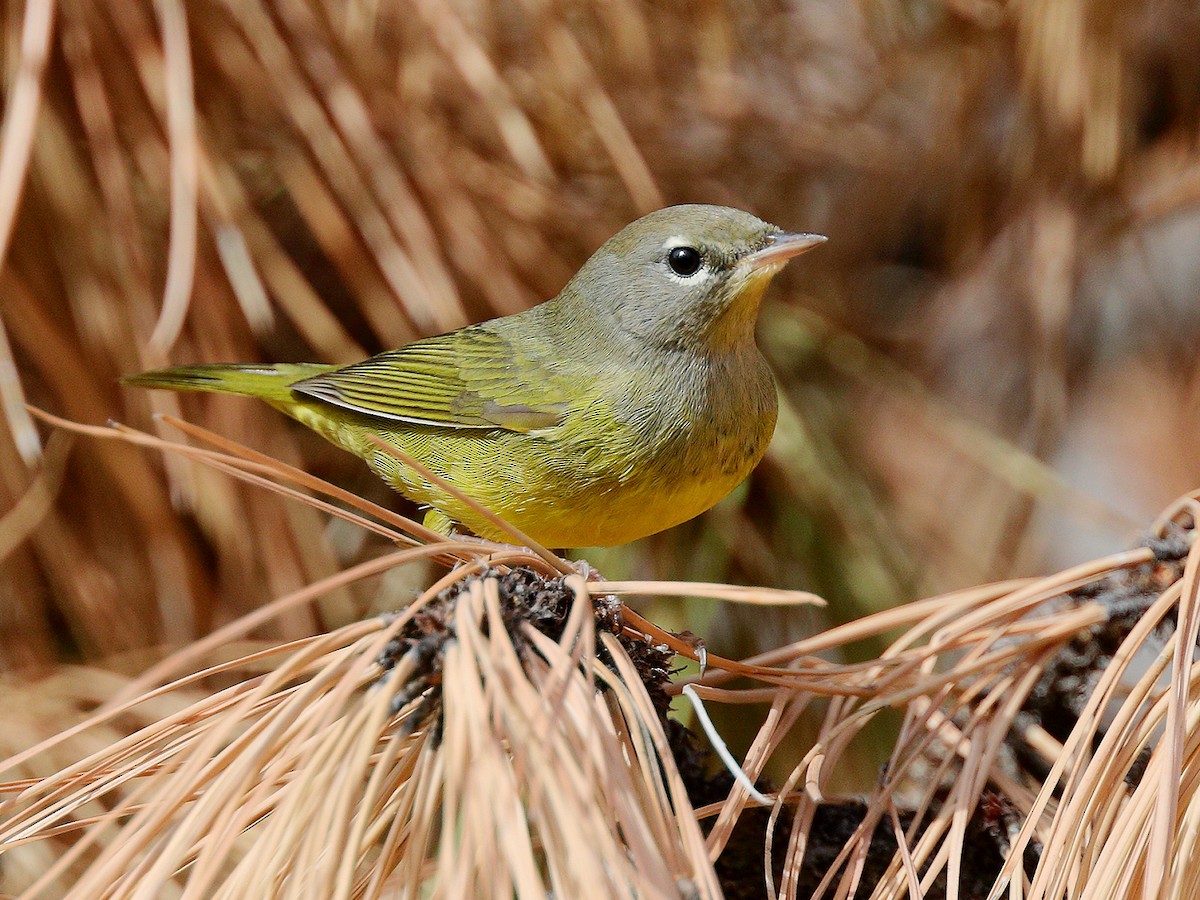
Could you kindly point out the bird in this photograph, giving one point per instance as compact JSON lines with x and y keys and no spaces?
{"x":634,"y":400}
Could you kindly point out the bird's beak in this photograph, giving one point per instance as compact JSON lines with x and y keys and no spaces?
{"x":782,"y":247}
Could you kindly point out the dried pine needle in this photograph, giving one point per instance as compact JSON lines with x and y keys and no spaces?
{"x":506,"y":734}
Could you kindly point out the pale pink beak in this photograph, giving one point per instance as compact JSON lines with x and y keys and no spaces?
{"x":782,"y":247}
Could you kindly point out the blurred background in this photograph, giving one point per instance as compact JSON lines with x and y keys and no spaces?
{"x":989,"y":370}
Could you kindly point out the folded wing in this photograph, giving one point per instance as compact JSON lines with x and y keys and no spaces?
{"x":470,"y":378}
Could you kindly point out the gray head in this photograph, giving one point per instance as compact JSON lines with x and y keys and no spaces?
{"x":688,"y":277}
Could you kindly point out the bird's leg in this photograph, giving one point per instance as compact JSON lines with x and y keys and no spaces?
{"x":438,"y":521}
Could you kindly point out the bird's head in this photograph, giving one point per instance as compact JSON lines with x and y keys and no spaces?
{"x":687,"y":277}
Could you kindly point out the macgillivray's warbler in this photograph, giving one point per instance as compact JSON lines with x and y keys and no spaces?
{"x":631,"y":402}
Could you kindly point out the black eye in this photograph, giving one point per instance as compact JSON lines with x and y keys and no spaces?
{"x":684,"y":260}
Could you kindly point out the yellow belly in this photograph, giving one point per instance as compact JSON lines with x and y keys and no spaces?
{"x":564,"y":487}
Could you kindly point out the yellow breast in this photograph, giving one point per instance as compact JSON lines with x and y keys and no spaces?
{"x":597,"y":479}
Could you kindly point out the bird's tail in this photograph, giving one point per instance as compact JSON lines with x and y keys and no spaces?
{"x":271,"y":383}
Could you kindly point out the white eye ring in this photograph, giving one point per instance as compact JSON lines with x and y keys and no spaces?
{"x":685,"y":261}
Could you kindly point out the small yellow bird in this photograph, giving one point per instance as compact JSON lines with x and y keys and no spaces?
{"x":631,"y":402}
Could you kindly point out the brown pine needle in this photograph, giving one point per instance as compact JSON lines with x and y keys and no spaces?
{"x":502,"y":769}
{"x":753,"y":596}
{"x":16,"y":143}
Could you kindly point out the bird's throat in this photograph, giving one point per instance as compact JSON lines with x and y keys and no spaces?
{"x":733,"y":327}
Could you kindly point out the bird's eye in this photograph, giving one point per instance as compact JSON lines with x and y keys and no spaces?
{"x":684,"y":260}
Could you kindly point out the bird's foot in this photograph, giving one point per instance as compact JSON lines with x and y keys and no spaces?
{"x":587,"y":571}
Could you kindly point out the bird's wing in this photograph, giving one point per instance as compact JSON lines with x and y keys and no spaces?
{"x":466,"y":379}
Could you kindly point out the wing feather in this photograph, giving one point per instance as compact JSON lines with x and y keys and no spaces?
{"x":469,"y":378}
